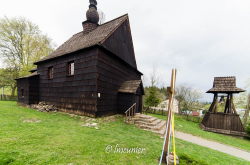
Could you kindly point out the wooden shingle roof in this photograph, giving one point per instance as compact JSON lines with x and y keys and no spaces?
{"x":30,"y":75}
{"x":130,"y":86}
{"x":225,"y":84}
{"x":83,"y":40}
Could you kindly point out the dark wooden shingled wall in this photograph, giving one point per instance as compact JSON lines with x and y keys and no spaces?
{"x":78,"y":93}
{"x":112,"y":73}
{"x":34,"y":89}
{"x":121,"y":44}
{"x":23,"y":84}
{"x":30,"y":87}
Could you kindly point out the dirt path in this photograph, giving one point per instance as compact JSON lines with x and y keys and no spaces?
{"x":214,"y":145}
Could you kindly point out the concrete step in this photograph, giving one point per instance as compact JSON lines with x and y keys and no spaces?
{"x":149,"y":119}
{"x":149,"y":123}
{"x":152,"y":127}
{"x":160,"y":132}
{"x":160,"y":125}
{"x":142,"y":122}
{"x":142,"y":115}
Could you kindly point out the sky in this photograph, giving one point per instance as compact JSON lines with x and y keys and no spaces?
{"x":202,"y":39}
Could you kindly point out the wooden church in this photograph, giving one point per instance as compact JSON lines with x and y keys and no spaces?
{"x":94,"y":73}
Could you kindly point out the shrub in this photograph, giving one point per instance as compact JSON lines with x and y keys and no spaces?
{"x":248,"y":128}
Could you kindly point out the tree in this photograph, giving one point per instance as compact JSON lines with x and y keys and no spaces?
{"x":180,"y":95}
{"x":246,"y":115}
{"x":152,"y":100}
{"x":241,"y":100}
{"x":188,"y":98}
{"x":7,"y":78}
{"x":153,"y":95}
{"x":154,"y":78}
{"x":21,"y":44}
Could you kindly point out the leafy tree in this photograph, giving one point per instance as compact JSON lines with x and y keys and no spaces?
{"x":248,"y":128}
{"x":246,"y":115}
{"x":7,"y":78}
{"x":21,"y":44}
{"x":188,"y":98}
{"x":243,"y":101}
{"x":152,"y":99}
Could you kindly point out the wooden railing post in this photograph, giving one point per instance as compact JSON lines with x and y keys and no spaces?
{"x":130,"y":112}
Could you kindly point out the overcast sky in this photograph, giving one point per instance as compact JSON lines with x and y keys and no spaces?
{"x":201,"y":38}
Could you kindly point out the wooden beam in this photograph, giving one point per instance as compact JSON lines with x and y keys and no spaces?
{"x":213,"y":106}
{"x":226,"y":110}
{"x":169,"y":117}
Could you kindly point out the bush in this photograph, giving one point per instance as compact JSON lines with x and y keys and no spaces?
{"x":248,"y":128}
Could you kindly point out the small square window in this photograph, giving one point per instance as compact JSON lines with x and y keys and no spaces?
{"x":71,"y":68}
{"x":50,"y":72}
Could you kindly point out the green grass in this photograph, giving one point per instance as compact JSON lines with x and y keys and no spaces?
{"x":193,"y":128}
{"x":59,"y":139}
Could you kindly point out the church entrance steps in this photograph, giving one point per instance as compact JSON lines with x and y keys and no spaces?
{"x":149,"y":123}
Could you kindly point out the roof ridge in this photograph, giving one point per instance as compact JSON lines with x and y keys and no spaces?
{"x":80,"y":41}
{"x":105,"y":23}
{"x":97,"y":27}
{"x":114,"y":19}
{"x":102,"y":41}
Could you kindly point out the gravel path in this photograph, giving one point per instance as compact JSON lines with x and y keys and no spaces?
{"x":214,"y":145}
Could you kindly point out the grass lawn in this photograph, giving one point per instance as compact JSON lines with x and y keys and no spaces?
{"x":193,"y":128}
{"x":59,"y":139}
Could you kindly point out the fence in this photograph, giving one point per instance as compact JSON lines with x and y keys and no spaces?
{"x":8,"y":98}
{"x":153,"y":110}
{"x":196,"y":119}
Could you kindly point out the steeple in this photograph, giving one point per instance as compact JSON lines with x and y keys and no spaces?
{"x":92,"y":17}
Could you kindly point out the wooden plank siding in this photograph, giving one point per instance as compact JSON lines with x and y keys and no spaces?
{"x":121,"y":44}
{"x":23,"y":84}
{"x":77,"y":93}
{"x":111,"y":74}
{"x":30,"y":90}
{"x":103,"y":59}
{"x":222,"y":123}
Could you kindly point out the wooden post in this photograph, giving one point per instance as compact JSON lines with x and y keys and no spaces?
{"x":213,"y":107}
{"x":169,"y":117}
{"x":230,"y":103}
{"x":129,"y":113}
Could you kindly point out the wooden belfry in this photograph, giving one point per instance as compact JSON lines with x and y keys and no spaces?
{"x":227,"y":122}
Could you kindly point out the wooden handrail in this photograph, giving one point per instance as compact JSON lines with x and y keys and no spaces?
{"x":130,"y":112}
